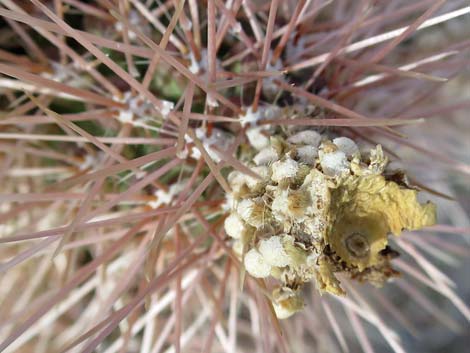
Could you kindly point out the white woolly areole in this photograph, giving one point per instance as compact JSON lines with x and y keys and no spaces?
{"x":307,"y":154}
{"x":250,"y":117}
{"x":308,"y":137}
{"x":91,"y":161}
{"x":134,"y":19}
{"x":164,"y":197}
{"x":266,"y":156}
{"x":139,"y":109}
{"x":257,"y":139}
{"x":125,"y":116}
{"x":245,"y":208}
{"x":236,"y":180}
{"x":235,"y":29}
{"x":280,"y":205}
{"x":334,"y":163}
{"x":255,"y":264}
{"x":284,"y":169}
{"x":183,"y":154}
{"x":59,"y":72}
{"x":273,"y":251}
{"x":201,"y":66}
{"x":346,"y":145}
{"x":167,"y":107}
{"x":211,"y":101}
{"x":230,"y":203}
{"x":194,"y":67}
{"x":252,"y":182}
{"x":218,"y":138}
{"x":234,"y":226}
{"x":263,"y":113}
{"x":255,"y":133}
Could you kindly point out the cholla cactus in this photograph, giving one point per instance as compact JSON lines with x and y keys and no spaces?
{"x":316,"y":207}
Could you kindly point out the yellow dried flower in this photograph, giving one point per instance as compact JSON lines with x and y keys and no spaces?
{"x":367,"y":208}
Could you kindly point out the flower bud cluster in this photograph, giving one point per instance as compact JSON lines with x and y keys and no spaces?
{"x":317,"y":208}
